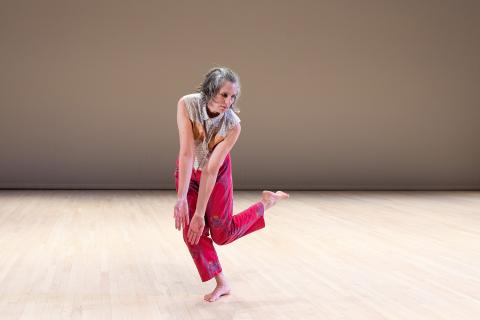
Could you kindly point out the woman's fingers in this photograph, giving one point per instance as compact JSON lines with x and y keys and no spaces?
{"x":175,"y":216}
{"x":180,"y":213}
{"x":179,"y":221}
{"x":190,"y":236}
{"x":197,"y":238}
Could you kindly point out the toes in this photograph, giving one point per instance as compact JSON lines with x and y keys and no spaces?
{"x":215,"y":295}
{"x":282,"y":195}
{"x":211,"y":298}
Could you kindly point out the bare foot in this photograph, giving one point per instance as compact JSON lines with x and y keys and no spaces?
{"x":220,"y":290}
{"x":270,"y":198}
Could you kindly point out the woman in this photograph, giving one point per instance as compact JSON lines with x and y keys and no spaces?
{"x":208,"y":129}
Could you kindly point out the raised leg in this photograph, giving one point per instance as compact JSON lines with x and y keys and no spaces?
{"x":224,"y":226}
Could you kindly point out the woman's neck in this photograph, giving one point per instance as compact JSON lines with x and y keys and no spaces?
{"x":210,"y":113}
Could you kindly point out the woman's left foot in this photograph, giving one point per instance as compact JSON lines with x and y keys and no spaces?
{"x":220,"y":290}
{"x":269,"y":198}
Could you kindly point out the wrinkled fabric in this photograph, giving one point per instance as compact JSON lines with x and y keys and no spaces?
{"x":221,"y":226}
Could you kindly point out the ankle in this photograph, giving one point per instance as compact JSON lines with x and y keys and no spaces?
{"x":220,"y":279}
{"x":266,"y":204}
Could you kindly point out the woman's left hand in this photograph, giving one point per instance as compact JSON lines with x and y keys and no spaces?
{"x":195,"y":228}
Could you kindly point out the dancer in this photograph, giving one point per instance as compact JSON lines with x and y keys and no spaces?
{"x":208,"y":129}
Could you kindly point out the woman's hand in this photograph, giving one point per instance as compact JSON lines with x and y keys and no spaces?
{"x":180,"y":213}
{"x":195,"y":229}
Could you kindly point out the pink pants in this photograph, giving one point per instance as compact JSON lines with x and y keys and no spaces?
{"x":219,"y":221}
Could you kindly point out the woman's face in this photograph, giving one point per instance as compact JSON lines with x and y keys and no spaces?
{"x":224,"y":99}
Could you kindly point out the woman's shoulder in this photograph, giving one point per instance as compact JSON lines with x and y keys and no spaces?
{"x":192,"y":104}
{"x":191,"y":98}
{"x":232,"y":119}
{"x":232,"y":115}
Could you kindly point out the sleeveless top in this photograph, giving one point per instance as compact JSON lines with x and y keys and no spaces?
{"x":207,"y":132}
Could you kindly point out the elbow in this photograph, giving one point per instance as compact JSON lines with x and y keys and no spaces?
{"x":186,"y":152}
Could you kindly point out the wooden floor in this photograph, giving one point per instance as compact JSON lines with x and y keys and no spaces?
{"x":323,"y":255}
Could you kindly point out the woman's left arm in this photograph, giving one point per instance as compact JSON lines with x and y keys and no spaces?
{"x":207,"y":181}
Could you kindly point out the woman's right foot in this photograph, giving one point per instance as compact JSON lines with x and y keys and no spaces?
{"x":220,"y":290}
{"x":269,"y":199}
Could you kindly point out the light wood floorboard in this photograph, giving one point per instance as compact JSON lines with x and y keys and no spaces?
{"x":94,"y":254}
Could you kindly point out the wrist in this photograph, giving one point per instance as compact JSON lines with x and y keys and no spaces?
{"x":197,"y":213}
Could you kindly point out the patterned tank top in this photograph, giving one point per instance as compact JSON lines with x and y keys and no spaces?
{"x":207,"y":132}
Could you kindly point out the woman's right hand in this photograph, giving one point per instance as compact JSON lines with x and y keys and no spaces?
{"x":180,"y":213}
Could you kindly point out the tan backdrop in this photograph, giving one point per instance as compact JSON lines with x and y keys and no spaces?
{"x":336,"y":94}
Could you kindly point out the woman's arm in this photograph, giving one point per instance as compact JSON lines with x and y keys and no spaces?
{"x":209,"y":174}
{"x":207,"y":181}
{"x":185,"y":163}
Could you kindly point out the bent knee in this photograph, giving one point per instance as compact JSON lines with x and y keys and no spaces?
{"x":219,"y":239}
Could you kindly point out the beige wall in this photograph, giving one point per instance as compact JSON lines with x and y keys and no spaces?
{"x":336,"y":94}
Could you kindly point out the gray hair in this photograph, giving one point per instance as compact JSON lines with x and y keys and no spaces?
{"x":213,"y":82}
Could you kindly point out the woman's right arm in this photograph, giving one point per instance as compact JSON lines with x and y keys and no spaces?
{"x":185,"y":164}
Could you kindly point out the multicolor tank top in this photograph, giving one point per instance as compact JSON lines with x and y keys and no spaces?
{"x":207,"y":132}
